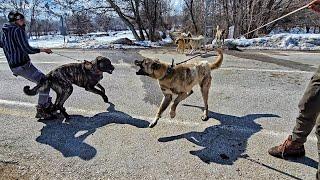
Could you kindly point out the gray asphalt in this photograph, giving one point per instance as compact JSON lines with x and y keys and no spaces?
{"x":253,"y":105}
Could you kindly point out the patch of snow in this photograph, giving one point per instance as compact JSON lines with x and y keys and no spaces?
{"x":282,"y":41}
{"x":98,"y":40}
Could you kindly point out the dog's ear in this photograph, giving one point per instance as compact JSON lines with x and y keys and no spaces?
{"x":88,"y":65}
{"x":98,"y":58}
{"x":156,"y":65}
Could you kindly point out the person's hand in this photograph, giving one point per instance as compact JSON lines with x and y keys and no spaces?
{"x":315,"y":5}
{"x":48,"y":51}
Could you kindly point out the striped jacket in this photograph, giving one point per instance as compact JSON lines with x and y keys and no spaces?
{"x":15,"y":45}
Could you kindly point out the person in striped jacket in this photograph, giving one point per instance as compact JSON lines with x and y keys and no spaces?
{"x":16,"y":48}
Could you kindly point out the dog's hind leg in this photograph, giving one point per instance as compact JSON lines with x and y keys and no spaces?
{"x":180,"y":98}
{"x":97,"y":91}
{"x":101,"y":88}
{"x":164,"y":104}
{"x":62,"y":96}
{"x":205,"y":86}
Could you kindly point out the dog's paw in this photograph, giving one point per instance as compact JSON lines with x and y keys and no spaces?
{"x":172,"y":114}
{"x":67,"y":117}
{"x":153,"y":123}
{"x":204,"y":118}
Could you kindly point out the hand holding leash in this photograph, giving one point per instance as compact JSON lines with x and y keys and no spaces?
{"x":48,"y":51}
{"x":315,"y":6}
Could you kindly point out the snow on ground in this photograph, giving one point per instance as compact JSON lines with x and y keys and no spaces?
{"x":282,"y":41}
{"x":102,"y":40}
{"x":98,"y":40}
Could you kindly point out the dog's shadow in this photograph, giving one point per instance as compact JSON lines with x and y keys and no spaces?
{"x":227,"y":142}
{"x":68,"y":137}
{"x":223,"y":143}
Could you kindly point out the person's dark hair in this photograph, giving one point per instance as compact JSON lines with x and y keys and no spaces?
{"x":14,"y":16}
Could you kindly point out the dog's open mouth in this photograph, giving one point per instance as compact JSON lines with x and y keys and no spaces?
{"x":142,"y":73}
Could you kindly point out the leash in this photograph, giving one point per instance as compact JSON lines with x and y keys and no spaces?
{"x":67,"y":57}
{"x":189,"y":59}
{"x":286,"y":15}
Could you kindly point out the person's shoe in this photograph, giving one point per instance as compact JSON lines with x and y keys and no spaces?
{"x":44,"y":112}
{"x":288,"y":149}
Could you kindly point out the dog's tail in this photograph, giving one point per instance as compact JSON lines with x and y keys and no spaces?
{"x":218,"y":61}
{"x":41,"y":85}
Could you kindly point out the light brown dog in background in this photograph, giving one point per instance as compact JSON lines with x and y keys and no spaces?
{"x":179,"y":80}
{"x":195,"y":43}
{"x":219,"y":36}
{"x":182,"y":42}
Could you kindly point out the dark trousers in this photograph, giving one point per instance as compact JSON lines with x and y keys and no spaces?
{"x":30,"y":72}
{"x":309,"y":113}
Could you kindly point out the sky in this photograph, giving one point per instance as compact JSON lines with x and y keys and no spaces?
{"x":178,"y":4}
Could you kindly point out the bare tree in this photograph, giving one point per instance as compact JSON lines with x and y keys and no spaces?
{"x":151,"y":14}
{"x":103,"y":21}
{"x":190,"y":7}
{"x":80,"y":23}
{"x":125,"y":19}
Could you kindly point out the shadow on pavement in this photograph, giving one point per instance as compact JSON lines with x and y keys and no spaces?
{"x":68,"y":137}
{"x":223,"y":143}
{"x":306,"y":161}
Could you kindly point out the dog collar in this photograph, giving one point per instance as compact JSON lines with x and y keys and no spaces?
{"x":169,"y":71}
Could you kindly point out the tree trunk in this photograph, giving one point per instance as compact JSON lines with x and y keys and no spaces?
{"x":135,"y":8}
{"x":226,"y":11}
{"x":125,"y":20}
{"x":190,"y":7}
{"x":308,"y":29}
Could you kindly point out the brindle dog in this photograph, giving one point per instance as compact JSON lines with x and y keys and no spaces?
{"x":86,"y":75}
{"x":179,"y":81}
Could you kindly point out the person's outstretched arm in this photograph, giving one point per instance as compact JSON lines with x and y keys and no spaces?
{"x":315,"y":6}
{"x":24,"y":44}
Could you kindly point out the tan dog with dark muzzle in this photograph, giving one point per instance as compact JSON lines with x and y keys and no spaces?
{"x":179,"y":80}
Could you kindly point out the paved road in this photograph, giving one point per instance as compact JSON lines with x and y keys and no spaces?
{"x":253,"y":104}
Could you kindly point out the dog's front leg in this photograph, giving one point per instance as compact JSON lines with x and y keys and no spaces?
{"x":164,"y":104}
{"x":101,"y":88}
{"x":180,"y":98}
{"x":205,"y":86}
{"x":97,"y":91}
